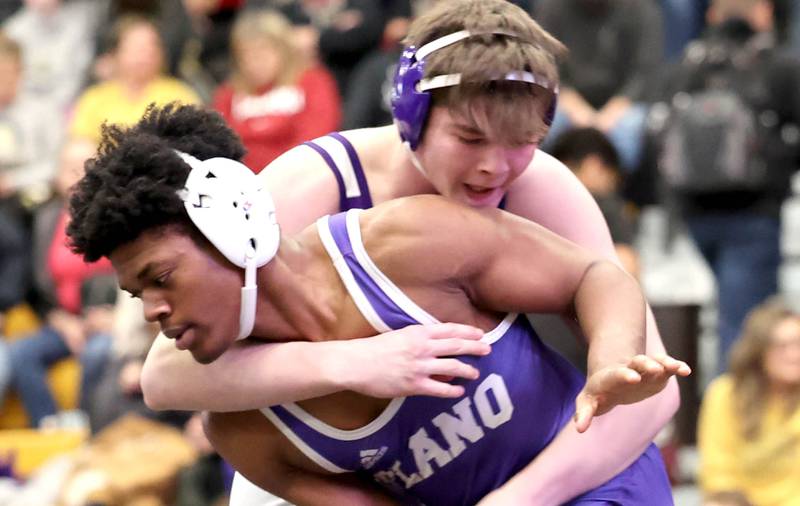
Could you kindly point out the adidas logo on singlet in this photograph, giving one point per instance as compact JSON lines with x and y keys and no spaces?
{"x":370,"y":457}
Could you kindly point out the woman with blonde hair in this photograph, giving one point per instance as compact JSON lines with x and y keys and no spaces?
{"x":749,"y":429}
{"x":275,"y":99}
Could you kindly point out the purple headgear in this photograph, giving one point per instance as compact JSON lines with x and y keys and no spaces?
{"x":411,"y":97}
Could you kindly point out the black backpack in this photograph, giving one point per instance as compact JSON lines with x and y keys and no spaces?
{"x":719,"y":123}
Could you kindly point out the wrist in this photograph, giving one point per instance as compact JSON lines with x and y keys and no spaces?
{"x":337,"y":368}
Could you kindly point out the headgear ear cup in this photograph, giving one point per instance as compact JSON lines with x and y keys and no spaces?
{"x":409,"y":105}
{"x":228,"y":204}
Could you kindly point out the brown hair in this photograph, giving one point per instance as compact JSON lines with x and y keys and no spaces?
{"x":747,"y":364}
{"x":273,"y":27}
{"x":124,"y":24}
{"x":9,"y":48}
{"x":517,"y":108}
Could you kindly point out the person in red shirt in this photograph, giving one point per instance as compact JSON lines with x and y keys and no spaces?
{"x":275,"y":99}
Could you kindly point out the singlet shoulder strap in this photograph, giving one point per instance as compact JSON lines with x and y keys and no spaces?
{"x":342,"y":158}
{"x":378,"y":299}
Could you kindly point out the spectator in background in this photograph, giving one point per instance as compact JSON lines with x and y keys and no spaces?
{"x":339,"y":32}
{"x":57,"y":41}
{"x":274,"y":101}
{"x":749,"y":427}
{"x":614,"y":48}
{"x":593,"y":159}
{"x":735,"y":223}
{"x":13,"y":273}
{"x":30,"y":131}
{"x":137,"y":80}
{"x":119,"y":392}
{"x":71,"y":327}
{"x":8,"y":7}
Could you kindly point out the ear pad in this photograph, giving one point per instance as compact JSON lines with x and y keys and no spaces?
{"x":227,"y":202}
{"x":410,"y":106}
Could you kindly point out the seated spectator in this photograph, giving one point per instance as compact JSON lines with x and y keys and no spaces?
{"x":73,"y":327}
{"x":614,"y":49}
{"x":30,"y":130}
{"x":118,"y":392}
{"x":13,"y":273}
{"x":273,"y":100}
{"x":749,"y":427}
{"x":137,"y":81}
{"x":339,"y":32}
{"x":593,"y":159}
{"x":57,"y":41}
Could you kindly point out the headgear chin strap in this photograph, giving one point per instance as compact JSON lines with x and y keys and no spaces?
{"x":229,"y":205}
{"x":411,"y":97}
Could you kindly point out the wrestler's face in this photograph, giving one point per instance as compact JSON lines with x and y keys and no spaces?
{"x":782,"y":357}
{"x":186,"y":286}
{"x":467,"y":162}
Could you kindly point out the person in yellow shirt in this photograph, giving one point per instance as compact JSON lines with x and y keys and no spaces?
{"x":137,"y":79}
{"x":749,"y":427}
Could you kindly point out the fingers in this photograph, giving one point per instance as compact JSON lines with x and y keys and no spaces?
{"x":454,"y":331}
{"x":585,"y":408}
{"x":457,"y":346}
{"x":658,"y":367}
{"x":429,"y":386}
{"x":674,"y":366}
{"x":450,"y":368}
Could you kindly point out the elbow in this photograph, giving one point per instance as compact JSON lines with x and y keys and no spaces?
{"x":153,"y":392}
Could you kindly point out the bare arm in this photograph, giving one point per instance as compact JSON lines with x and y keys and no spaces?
{"x":253,"y":447}
{"x":574,"y":463}
{"x":395,"y":364}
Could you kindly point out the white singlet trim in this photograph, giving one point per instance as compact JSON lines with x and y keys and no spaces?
{"x":340,"y":157}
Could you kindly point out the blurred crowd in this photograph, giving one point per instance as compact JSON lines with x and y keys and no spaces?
{"x":282,"y":72}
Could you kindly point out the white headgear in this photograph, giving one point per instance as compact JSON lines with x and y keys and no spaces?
{"x":229,"y":205}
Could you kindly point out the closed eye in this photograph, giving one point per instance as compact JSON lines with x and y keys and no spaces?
{"x":473,"y":141}
{"x":161,"y":280}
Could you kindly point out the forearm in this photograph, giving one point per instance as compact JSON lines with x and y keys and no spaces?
{"x":575,"y":463}
{"x":611,"y":311}
{"x":247,"y":376}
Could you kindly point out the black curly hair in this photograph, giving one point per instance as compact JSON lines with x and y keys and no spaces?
{"x":130,"y":185}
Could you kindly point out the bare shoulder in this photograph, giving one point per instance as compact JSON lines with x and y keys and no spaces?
{"x":549,"y":194}
{"x":303,"y":187}
{"x":422,"y":230}
{"x":421,"y":215}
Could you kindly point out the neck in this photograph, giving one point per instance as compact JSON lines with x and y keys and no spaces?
{"x":403,"y":176}
{"x":294,"y":303}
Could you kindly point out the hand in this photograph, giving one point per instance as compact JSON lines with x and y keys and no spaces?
{"x":411,"y":361}
{"x":130,"y":377}
{"x":611,"y":113}
{"x":642,"y":377}
{"x":196,"y":436}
